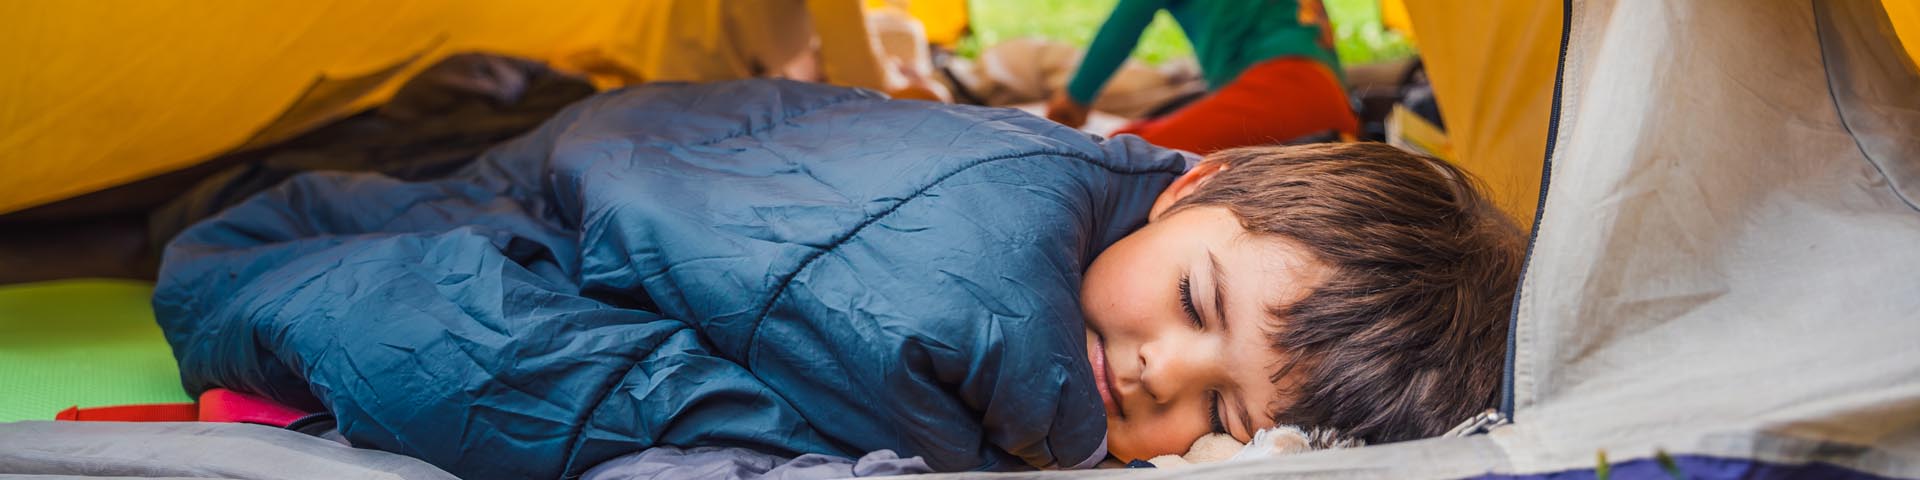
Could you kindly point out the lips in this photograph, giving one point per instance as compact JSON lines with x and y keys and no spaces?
{"x":1103,"y":374}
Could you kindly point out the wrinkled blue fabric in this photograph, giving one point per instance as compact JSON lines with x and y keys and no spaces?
{"x":784,"y":267}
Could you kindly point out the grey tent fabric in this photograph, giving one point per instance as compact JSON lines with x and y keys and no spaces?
{"x":1720,"y":269}
{"x":1727,"y":263}
{"x":725,"y":463}
{"x":192,"y":449}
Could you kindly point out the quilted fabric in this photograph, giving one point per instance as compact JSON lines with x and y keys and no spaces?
{"x":786,"y":267}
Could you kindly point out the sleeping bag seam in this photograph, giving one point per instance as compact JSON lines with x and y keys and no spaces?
{"x":609,"y":389}
{"x":788,"y":115}
{"x":780,"y":289}
{"x":577,"y":438}
{"x":495,"y":387}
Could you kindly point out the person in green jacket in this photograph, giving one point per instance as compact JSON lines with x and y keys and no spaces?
{"x":1270,"y":76}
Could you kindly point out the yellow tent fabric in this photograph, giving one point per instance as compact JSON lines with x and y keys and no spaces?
{"x":96,"y":94}
{"x":1492,"y":69}
{"x":101,"y":93}
{"x":1393,"y":15}
{"x":945,"y":20}
{"x":1905,"y":15}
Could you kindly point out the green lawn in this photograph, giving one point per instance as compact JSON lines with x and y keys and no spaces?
{"x":1359,"y":38}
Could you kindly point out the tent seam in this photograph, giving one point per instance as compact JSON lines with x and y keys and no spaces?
{"x":577,"y":439}
{"x":1508,"y":385}
{"x":1839,"y":111}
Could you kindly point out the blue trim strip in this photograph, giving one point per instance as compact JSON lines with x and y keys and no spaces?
{"x":1540,"y":209}
{"x":1696,"y":467}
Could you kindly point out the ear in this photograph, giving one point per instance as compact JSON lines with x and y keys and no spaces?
{"x":1184,"y":186}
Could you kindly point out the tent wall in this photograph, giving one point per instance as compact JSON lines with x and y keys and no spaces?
{"x":944,"y":20}
{"x":1492,"y":70}
{"x":96,"y":94}
{"x":1905,"y":15}
{"x":1724,"y":267}
{"x":101,"y":93}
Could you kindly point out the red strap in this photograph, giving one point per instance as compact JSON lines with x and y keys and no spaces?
{"x":159,"y":412}
{"x":216,"y":405}
{"x":222,"y":405}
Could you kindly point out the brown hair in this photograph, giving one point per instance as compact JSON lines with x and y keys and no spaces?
{"x":1407,"y":335}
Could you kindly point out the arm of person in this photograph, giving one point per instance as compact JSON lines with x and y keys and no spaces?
{"x":1110,"y":47}
{"x":848,"y":56}
{"x":1314,"y":12}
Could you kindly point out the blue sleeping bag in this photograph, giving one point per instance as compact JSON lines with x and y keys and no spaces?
{"x":785,"y":267}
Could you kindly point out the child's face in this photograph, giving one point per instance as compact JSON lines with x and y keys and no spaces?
{"x":1162,"y":372}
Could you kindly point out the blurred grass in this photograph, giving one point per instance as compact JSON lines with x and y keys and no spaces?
{"x":1070,"y":21}
{"x":1358,"y":36}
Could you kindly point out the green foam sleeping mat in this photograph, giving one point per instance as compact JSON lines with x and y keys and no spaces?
{"x":81,"y":342}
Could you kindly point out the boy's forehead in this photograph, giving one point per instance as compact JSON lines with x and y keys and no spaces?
{"x":1259,"y":273}
{"x":1276,"y":271}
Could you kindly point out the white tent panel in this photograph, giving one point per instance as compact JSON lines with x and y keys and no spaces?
{"x":1728,"y":260}
{"x":1721,"y":261}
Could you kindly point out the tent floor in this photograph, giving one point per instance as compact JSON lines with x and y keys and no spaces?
{"x":81,"y":342}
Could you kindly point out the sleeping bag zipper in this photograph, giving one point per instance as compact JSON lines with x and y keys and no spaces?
{"x":1478,"y":424}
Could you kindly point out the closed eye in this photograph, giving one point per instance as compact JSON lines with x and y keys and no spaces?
{"x":1186,"y":302}
{"x":1213,"y":413}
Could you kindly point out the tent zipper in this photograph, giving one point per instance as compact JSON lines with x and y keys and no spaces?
{"x":1540,"y":209}
{"x":1478,"y":424}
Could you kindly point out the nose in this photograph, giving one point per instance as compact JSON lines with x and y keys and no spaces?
{"x":1178,"y":363}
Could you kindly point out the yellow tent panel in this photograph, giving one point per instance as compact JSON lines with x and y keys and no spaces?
{"x":1492,"y":68}
{"x":102,"y":93}
{"x":1393,"y":15}
{"x":945,"y":20}
{"x":1905,"y":15}
{"x":96,"y":94}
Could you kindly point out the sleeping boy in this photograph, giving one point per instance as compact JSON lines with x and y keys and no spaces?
{"x":794,"y":268}
{"x":1351,"y":287}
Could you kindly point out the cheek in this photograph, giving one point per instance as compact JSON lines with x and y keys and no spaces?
{"x":1113,"y":300}
{"x":1117,"y":293}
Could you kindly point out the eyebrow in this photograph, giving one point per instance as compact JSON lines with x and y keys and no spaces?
{"x":1220,"y":311}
